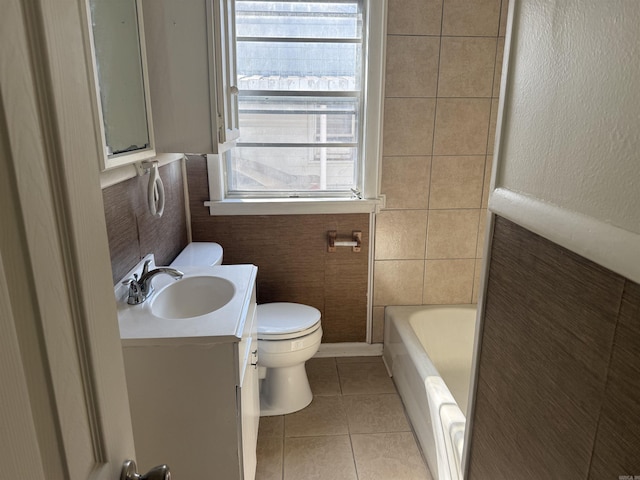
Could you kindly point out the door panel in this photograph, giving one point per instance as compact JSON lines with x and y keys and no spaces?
{"x":56,"y":281}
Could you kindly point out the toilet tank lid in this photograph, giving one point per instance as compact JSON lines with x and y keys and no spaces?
{"x":199,"y":254}
{"x":281,"y":318}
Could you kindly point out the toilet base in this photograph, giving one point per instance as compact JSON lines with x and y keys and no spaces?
{"x":284,"y":390}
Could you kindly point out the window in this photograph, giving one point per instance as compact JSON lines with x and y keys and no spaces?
{"x":307,"y":102}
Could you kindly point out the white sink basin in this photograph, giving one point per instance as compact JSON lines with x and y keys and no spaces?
{"x":192,"y":297}
{"x":209,"y":304}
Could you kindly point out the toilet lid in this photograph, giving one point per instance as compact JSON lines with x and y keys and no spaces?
{"x":284,"y":320}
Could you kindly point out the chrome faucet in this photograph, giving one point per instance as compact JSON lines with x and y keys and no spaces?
{"x":140,"y":288}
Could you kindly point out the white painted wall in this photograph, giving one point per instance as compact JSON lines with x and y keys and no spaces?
{"x":568,"y":147}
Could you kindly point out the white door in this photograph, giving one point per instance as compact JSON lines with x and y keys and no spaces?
{"x":64,"y":412}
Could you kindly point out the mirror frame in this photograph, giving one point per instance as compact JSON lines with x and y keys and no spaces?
{"x":126,"y":158}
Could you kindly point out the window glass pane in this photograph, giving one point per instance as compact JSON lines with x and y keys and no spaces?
{"x":298,"y":120}
{"x":299,"y":66}
{"x":292,"y":170}
{"x":298,"y":19}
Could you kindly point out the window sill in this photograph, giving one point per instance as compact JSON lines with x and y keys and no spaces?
{"x":293,"y":206}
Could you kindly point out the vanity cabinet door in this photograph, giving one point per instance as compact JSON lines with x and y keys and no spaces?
{"x":192,"y":74}
{"x":250,"y":415}
{"x":249,"y":398}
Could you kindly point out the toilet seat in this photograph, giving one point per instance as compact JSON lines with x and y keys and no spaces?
{"x":283,"y":320}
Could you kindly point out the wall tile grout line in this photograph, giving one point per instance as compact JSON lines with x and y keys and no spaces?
{"x":607,"y":379}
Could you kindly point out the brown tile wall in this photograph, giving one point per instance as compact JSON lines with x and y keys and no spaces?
{"x":444,"y":60}
{"x":291,"y":254}
{"x":133,"y":232}
{"x":559,"y":366}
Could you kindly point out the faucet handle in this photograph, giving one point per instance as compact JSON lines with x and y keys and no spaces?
{"x":145,"y":269}
{"x":135,"y":291}
{"x":129,"y":281}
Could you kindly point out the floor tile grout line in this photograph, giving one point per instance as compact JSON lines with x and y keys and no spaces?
{"x":353,"y":452}
{"x":353,"y":457}
{"x":339,"y":379}
{"x":317,"y":435}
{"x":282,"y":454}
{"x":349,"y":427}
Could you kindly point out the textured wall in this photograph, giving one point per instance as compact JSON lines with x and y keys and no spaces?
{"x":559,"y":366}
{"x":568,"y":154}
{"x":444,"y":63}
{"x":568,"y":51}
{"x":291,"y":254}
{"x":133,"y":232}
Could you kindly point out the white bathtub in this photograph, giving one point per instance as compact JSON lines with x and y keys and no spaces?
{"x":428,"y":351}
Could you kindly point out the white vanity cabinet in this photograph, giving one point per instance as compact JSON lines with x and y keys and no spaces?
{"x":195,"y":404}
{"x":192,"y":74}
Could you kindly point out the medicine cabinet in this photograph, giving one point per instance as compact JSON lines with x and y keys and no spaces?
{"x":192,"y":74}
{"x":123,"y":113}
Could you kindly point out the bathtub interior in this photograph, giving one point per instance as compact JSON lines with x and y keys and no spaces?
{"x":448,"y":341}
{"x":433,"y":384}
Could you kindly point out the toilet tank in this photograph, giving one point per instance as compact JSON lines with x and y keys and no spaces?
{"x":199,"y":254}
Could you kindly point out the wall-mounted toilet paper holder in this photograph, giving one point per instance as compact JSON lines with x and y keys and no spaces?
{"x":355,"y":242}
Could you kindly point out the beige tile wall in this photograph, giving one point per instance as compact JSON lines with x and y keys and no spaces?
{"x":444,"y":61}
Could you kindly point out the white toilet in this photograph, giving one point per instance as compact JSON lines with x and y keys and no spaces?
{"x":289,"y":334}
{"x":199,"y":254}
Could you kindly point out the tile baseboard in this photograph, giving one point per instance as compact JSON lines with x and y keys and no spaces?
{"x":349,"y":349}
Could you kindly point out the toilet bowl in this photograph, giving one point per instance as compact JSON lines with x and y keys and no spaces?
{"x":289,"y":334}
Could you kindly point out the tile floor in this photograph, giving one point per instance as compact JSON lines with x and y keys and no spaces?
{"x":355,"y":429}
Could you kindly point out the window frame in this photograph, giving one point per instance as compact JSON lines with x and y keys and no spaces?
{"x":368,"y":199}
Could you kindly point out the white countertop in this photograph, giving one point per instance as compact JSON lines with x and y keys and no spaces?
{"x":140,"y":327}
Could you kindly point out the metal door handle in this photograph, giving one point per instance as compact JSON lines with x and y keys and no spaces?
{"x":129,"y":472}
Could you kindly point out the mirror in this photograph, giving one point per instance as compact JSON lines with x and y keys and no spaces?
{"x":117,"y":41}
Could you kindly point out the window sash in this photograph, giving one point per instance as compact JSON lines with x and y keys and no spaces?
{"x":299,"y":120}
{"x":284,"y":183}
{"x":345,"y":21}
{"x":329,"y":149}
